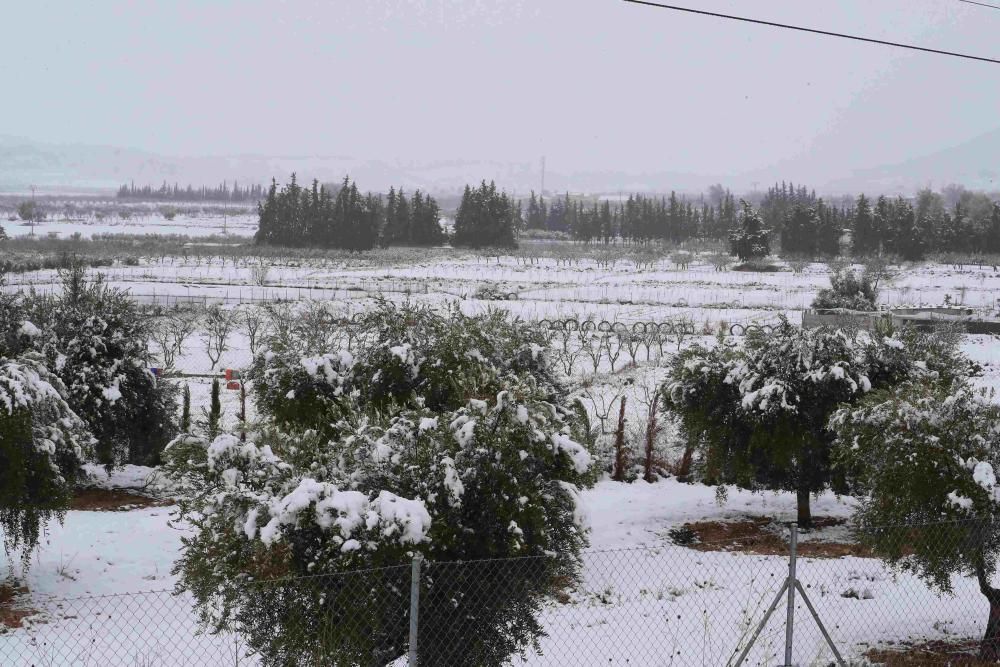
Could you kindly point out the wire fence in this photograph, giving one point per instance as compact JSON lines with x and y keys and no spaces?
{"x":685,"y":602}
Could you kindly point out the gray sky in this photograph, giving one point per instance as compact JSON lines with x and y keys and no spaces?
{"x":592,"y":84}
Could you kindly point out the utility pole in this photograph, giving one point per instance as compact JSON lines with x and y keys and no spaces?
{"x":34,"y":210}
{"x":542,"y":193}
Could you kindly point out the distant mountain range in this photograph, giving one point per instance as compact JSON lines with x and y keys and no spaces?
{"x":79,"y":167}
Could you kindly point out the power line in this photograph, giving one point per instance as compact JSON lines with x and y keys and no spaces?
{"x":981,"y":4}
{"x":814,"y":31}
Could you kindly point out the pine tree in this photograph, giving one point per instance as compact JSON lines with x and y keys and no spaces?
{"x":865,"y":239}
{"x":991,"y":243}
{"x":426,"y":227}
{"x":750,"y":241}
{"x":214,"y":415}
{"x":186,"y":410}
{"x":485,"y":218}
{"x":905,"y":238}
{"x":398,"y":220}
{"x":799,"y":233}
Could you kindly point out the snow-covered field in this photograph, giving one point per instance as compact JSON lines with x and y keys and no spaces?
{"x":90,"y":218}
{"x":646,"y":600}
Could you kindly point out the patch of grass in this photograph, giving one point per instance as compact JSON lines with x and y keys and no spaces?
{"x":12,"y":605}
{"x":958,"y":653}
{"x":761,"y":536}
{"x":111,"y":500}
{"x":762,"y":267}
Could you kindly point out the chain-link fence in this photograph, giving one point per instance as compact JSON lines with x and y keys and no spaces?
{"x":722,"y":602}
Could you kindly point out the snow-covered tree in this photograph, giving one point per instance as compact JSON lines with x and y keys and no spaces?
{"x":94,"y":338}
{"x":750,"y":241}
{"x":42,"y":448}
{"x":925,"y":457}
{"x":848,"y":290}
{"x":759,"y":412}
{"x":443,"y":435}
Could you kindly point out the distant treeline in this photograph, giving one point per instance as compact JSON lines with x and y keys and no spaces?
{"x":955,"y":220}
{"x":638,"y":219}
{"x":222,"y":193}
{"x":341,"y":217}
{"x":797,"y":221}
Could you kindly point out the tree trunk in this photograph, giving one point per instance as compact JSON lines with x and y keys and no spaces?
{"x":621,"y":456}
{"x":989,"y":648}
{"x":684,"y":468}
{"x":804,"y":512}
{"x":652,"y":429}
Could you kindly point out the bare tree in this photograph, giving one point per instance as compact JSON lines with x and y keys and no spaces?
{"x":254,"y":322}
{"x":259,"y":273}
{"x":594,"y":351}
{"x":613,"y":346}
{"x":620,"y":465}
{"x":602,"y":405}
{"x":170,"y":333}
{"x":218,"y":324}
{"x":651,"y":401}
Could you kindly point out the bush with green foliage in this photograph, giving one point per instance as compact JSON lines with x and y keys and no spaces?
{"x":443,"y":435}
{"x":925,"y":457}
{"x":750,"y":241}
{"x":850,"y":291}
{"x":42,"y":447}
{"x":759,"y":412}
{"x":30,"y":211}
{"x":486,"y":218}
{"x":94,"y":338}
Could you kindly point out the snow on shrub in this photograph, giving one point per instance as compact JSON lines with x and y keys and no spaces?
{"x":96,"y":340}
{"x":759,"y":412}
{"x":848,"y":290}
{"x":442,"y":435}
{"x":42,"y":448}
{"x":925,"y":457}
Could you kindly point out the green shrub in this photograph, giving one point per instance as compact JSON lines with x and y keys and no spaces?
{"x":443,"y":435}
{"x":850,"y":291}
{"x":42,"y":446}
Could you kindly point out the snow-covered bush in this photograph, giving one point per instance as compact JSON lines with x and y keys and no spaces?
{"x":759,"y":412}
{"x":925,"y":458}
{"x":42,"y":447}
{"x":442,"y":435}
{"x":750,"y":241}
{"x":848,"y":290}
{"x":96,"y":340}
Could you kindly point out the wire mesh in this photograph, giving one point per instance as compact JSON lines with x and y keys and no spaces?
{"x":678,"y":603}
{"x":878,"y":613}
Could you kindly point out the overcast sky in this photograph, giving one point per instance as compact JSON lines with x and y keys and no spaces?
{"x":592,"y":84}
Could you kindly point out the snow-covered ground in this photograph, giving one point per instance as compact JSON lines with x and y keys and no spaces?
{"x":646,"y":600}
{"x":143,"y":220}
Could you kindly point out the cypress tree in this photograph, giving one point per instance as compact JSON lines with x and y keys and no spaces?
{"x":865,"y":239}
{"x":186,"y":410}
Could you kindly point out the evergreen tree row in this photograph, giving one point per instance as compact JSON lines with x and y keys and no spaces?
{"x":487,"y":218}
{"x":318,"y":217}
{"x":639,"y":219}
{"x":222,"y":193}
{"x":415,"y":221}
{"x":898,"y":227}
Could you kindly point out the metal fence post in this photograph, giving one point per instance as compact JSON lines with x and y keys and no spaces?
{"x":790,"y":619}
{"x":414,"y":608}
